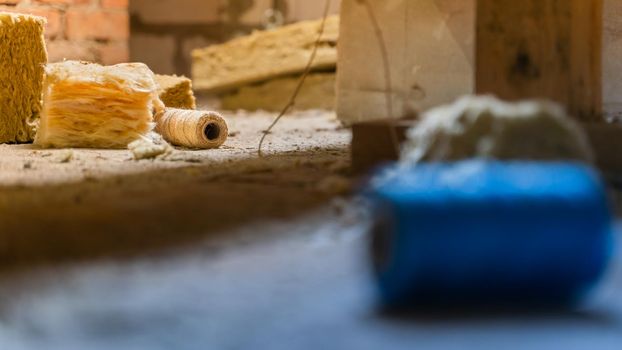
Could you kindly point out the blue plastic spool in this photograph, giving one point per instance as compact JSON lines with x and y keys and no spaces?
{"x":482,"y":232}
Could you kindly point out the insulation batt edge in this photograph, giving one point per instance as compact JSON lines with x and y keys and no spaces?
{"x":486,"y":127}
{"x":22,"y":58}
{"x":92,"y":106}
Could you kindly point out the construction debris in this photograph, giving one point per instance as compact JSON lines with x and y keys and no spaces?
{"x":92,"y":106}
{"x":176,"y":92}
{"x":22,"y":58}
{"x":65,"y":156}
{"x":318,"y":92}
{"x":146,"y":148}
{"x":265,"y":55}
{"x":483,"y":126}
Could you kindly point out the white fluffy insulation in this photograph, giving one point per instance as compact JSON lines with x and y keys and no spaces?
{"x":486,"y":127}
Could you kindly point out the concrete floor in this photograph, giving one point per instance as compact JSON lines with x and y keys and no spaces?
{"x":278,"y":285}
{"x":212,"y":253}
{"x":103,"y":202}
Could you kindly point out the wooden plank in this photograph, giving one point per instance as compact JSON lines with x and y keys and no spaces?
{"x":542,"y":49}
{"x":612,"y":64}
{"x":606,"y":141}
{"x":374,"y":143}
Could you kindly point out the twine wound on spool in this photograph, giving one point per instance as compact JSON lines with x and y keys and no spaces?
{"x":192,"y":129}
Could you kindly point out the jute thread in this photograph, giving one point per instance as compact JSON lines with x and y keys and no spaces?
{"x":192,"y":129}
{"x":385,"y":61}
{"x":292,"y":100}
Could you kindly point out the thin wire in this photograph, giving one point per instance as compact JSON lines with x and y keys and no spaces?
{"x":307,"y":70}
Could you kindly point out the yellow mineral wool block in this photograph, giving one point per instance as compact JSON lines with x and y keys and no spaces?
{"x":87,"y":105}
{"x":22,"y":58}
{"x":264,"y":55}
{"x":176,"y":92}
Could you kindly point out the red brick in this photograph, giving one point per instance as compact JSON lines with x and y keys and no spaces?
{"x":99,"y":25}
{"x":115,"y":4}
{"x":113,"y":53}
{"x":53,"y":28}
{"x":59,"y":50}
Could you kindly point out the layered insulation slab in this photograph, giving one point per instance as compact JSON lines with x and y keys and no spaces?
{"x":176,"y":91}
{"x":486,"y":127}
{"x":22,"y":58}
{"x":87,"y":105}
{"x":317,"y":92}
{"x":265,"y":55}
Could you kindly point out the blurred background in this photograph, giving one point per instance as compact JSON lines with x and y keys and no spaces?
{"x":160,"y":33}
{"x":222,"y":249}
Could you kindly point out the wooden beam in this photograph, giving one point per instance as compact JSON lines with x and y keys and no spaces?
{"x":373,"y":145}
{"x":542,"y":49}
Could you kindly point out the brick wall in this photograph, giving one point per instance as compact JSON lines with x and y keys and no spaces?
{"x":93,"y":30}
{"x":164,"y":32}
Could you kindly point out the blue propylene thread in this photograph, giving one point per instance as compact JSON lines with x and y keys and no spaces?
{"x":489,"y":232}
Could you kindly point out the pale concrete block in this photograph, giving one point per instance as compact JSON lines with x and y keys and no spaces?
{"x":430,"y":46}
{"x":302,"y":10}
{"x":436,"y":53}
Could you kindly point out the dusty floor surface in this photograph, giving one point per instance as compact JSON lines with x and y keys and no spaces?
{"x":220,"y":250}
{"x":59,"y":204}
{"x":316,"y":132}
{"x":301,"y":284}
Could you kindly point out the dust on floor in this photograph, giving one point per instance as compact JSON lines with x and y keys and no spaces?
{"x":59,"y":204}
{"x":315,"y":132}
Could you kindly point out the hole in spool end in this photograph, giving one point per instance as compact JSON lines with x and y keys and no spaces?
{"x":212,"y":131}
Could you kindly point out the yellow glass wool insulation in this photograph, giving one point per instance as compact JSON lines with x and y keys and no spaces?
{"x":92,"y":106}
{"x":486,"y":127}
{"x":264,"y":55}
{"x":22,"y":58}
{"x":176,"y":92}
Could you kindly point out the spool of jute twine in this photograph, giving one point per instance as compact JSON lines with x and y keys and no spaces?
{"x":192,"y":129}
